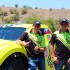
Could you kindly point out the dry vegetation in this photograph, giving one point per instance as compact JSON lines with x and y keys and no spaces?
{"x":42,"y":13}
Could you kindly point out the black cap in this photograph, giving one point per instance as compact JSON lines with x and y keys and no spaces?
{"x":63,"y":20}
{"x":36,"y":23}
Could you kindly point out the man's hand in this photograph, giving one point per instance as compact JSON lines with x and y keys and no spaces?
{"x":55,"y":60}
{"x":68,"y":61}
{"x":26,"y":44}
{"x":23,"y":43}
{"x":36,"y":48}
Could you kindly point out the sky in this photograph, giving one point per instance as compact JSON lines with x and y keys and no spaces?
{"x":44,"y":4}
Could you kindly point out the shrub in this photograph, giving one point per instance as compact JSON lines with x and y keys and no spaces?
{"x":50,"y":23}
{"x":11,"y":12}
{"x":3,"y":14}
{"x":15,"y":17}
{"x":24,"y":11}
{"x":7,"y":20}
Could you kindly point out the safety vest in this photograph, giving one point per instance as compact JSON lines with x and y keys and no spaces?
{"x":38,"y":39}
{"x":64,"y":38}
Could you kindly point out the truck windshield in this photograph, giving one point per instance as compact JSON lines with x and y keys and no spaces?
{"x":11,"y":33}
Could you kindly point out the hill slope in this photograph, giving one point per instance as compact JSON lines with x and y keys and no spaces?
{"x":42,"y":13}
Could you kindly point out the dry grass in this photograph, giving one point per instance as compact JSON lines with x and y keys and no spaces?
{"x":42,"y":13}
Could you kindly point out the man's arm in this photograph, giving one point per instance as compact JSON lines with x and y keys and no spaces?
{"x":55,"y":60}
{"x":26,"y":44}
{"x":52,"y":50}
{"x":52,"y":42}
{"x":21,"y":40}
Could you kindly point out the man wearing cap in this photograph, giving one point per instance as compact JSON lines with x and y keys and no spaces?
{"x":33,"y":41}
{"x":61,"y":40}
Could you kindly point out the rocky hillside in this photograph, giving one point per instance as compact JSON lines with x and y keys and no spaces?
{"x":42,"y":13}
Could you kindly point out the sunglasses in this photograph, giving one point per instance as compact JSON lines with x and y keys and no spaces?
{"x":37,"y":25}
{"x":64,"y":24}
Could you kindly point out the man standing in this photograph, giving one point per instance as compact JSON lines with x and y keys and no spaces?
{"x":35,"y":46}
{"x":61,"y":40}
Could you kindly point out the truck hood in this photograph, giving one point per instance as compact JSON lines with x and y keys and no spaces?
{"x":5,"y":43}
{"x":8,"y":47}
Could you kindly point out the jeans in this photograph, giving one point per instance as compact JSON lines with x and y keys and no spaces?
{"x":61,"y":63}
{"x":33,"y":63}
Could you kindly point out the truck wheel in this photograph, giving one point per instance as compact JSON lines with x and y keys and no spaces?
{"x":14,"y":64}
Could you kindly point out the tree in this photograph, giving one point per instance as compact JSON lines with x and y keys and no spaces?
{"x":62,"y":8}
{"x":36,"y":7}
{"x":27,"y":7}
{"x":50,"y":9}
{"x":16,"y":5}
{"x":3,"y":5}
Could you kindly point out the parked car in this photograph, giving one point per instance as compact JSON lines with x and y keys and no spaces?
{"x":12,"y":55}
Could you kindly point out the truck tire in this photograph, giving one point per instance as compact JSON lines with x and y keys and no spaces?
{"x":14,"y":64}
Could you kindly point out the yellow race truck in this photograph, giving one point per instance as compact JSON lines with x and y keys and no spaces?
{"x":12,"y":55}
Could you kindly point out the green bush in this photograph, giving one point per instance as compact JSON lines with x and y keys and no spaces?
{"x":49,"y":22}
{"x":13,"y":11}
{"x":15,"y":17}
{"x":7,"y":20}
{"x":30,"y":20}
